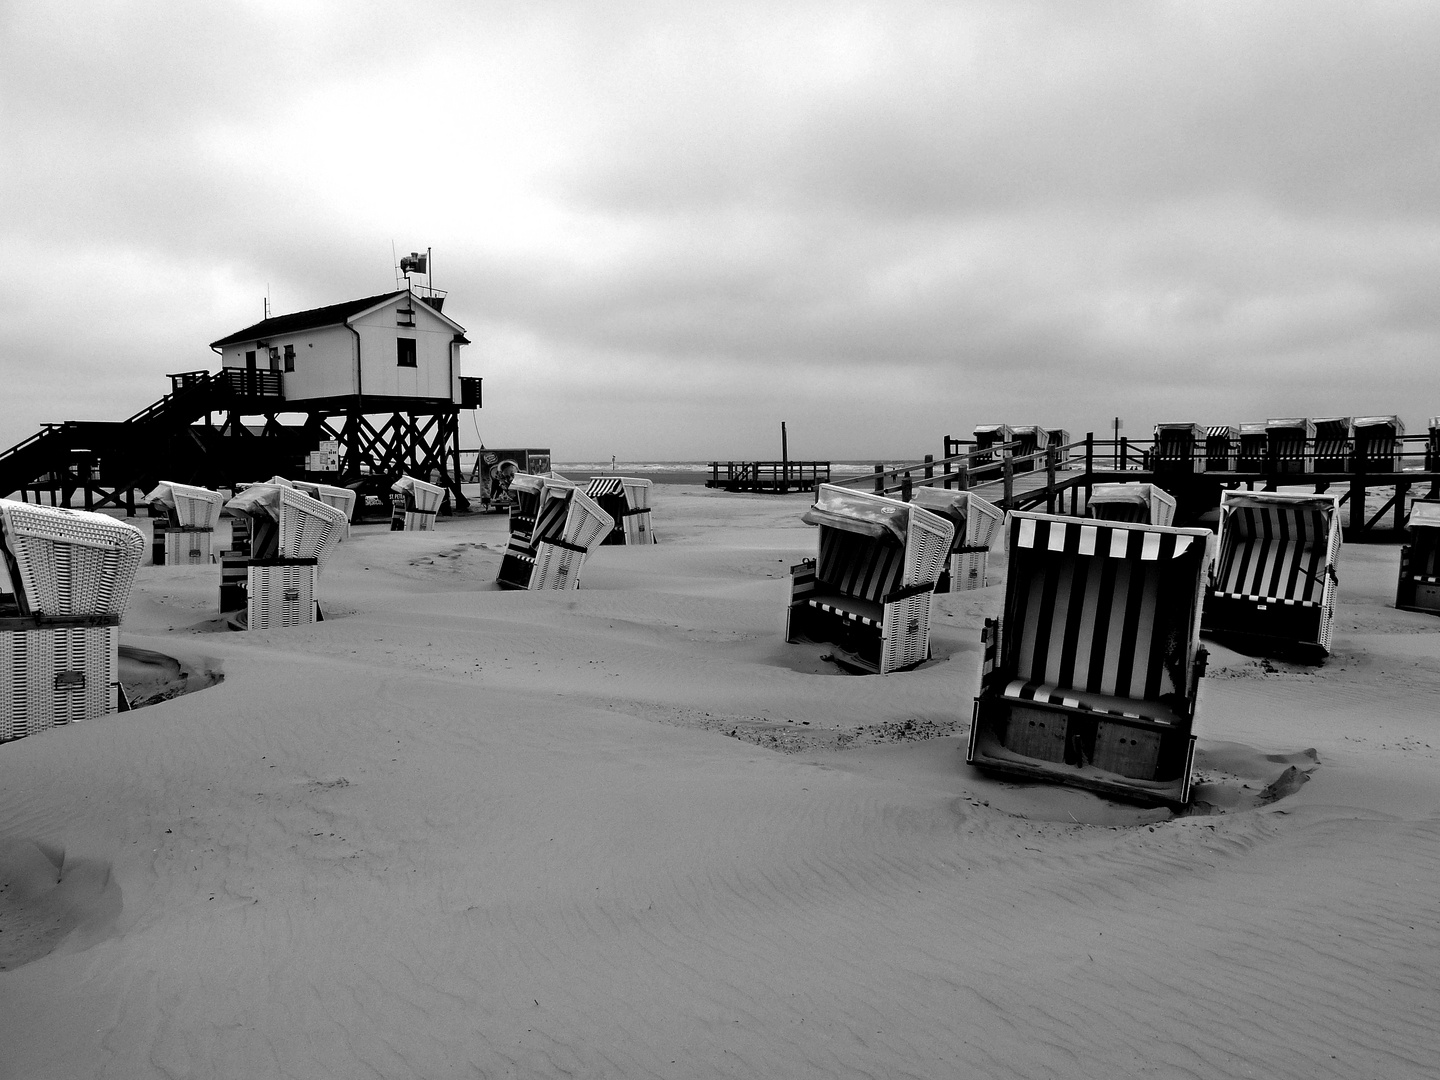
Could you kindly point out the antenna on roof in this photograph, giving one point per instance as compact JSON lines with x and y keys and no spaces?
{"x":267,"y":299}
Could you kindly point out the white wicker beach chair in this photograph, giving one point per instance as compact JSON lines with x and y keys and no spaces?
{"x":1091,"y":677}
{"x":1032,"y":439}
{"x":291,"y":538}
{"x":976,"y":522}
{"x":869,"y":590}
{"x":57,"y":671}
{"x":1274,"y":579}
{"x":185,"y":534}
{"x":69,"y":562}
{"x":627,"y":500}
{"x":416,"y":504}
{"x":1146,"y":504}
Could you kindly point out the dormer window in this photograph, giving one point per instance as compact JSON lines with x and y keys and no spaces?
{"x":405,"y":352}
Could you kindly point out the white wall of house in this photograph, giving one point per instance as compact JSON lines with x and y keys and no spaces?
{"x":325,"y":363}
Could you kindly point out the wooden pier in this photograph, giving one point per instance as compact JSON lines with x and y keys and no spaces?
{"x":771,"y":477}
{"x":1058,"y":479}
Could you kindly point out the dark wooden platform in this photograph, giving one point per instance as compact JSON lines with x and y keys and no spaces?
{"x":770,"y":477}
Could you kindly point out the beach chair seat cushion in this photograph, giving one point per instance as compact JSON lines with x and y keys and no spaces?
{"x":1068,"y":697}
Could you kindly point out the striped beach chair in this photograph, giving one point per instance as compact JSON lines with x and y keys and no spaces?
{"x":1090,"y":677}
{"x":185,"y":517}
{"x":1145,"y":504}
{"x":868,"y":591}
{"x":1289,"y":444}
{"x":987,"y":436}
{"x":976,"y":522}
{"x":414,"y":505}
{"x":1378,"y":443}
{"x":568,"y":526}
{"x":1222,"y":443}
{"x":1274,"y":579}
{"x":1032,"y":440}
{"x":1419,"y":585}
{"x":627,"y":500}
{"x":65,"y":581}
{"x":1179,"y":448}
{"x":1253,"y":449}
{"x":1333,"y":436}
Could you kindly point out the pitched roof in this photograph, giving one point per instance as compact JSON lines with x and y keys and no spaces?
{"x":330,"y":315}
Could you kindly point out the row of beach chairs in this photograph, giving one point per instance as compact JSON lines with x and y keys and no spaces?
{"x":1288,"y":445}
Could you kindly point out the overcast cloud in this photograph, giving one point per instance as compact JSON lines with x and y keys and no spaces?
{"x":667,"y":227}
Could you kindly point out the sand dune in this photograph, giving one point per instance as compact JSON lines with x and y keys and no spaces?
{"x":630,"y":832}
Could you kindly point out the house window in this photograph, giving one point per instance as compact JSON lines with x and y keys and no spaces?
{"x":289,"y":357}
{"x":405,"y":352}
{"x":274,"y":358}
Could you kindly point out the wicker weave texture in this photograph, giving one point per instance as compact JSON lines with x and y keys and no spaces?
{"x":967,"y":570}
{"x":282,"y":595}
{"x":191,"y":548}
{"x":71,"y":562}
{"x":927,"y":545}
{"x":556,"y":568}
{"x":56,"y":675}
{"x":308,"y":528}
{"x":906,"y":633}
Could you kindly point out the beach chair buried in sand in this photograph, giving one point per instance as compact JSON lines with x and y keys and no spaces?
{"x":976,"y":523}
{"x":291,"y":537}
{"x":1090,"y":677}
{"x":1419,"y":586}
{"x":415,"y":505}
{"x":1144,"y":504}
{"x":868,"y":593}
{"x":627,"y":500}
{"x":568,"y":525}
{"x":65,"y":580}
{"x":185,"y":518}
{"x":1274,"y":578}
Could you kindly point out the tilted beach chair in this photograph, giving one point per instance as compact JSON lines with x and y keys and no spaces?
{"x":65,"y":580}
{"x":1378,"y":445}
{"x":342,"y":499}
{"x":976,"y":523}
{"x":1275,"y":577}
{"x":1222,"y":443}
{"x":568,"y":526}
{"x":1090,"y":677}
{"x":869,"y":590}
{"x":1289,"y":444}
{"x":1179,"y":448}
{"x":185,"y":517}
{"x":415,"y":505}
{"x":1333,"y":436}
{"x":627,"y":500}
{"x":291,"y":538}
{"x":1419,"y":585}
{"x":1145,"y":504}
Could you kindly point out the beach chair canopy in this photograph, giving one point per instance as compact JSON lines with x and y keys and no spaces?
{"x":68,"y":562}
{"x":1131,"y":502}
{"x":1385,"y":425}
{"x":290,"y":521}
{"x":988,"y":433}
{"x":1291,"y":425}
{"x":1190,"y":431}
{"x":427,"y":496}
{"x":192,"y":506}
{"x":860,"y":512}
{"x":974,"y":518}
{"x":1222,"y":431}
{"x":1424,"y":514}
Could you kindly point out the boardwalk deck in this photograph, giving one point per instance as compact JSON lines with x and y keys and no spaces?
{"x":771,"y":477}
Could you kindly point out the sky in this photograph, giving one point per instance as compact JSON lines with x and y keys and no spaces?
{"x":668,"y":227}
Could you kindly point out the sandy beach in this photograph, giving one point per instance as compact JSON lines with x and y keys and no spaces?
{"x":630,"y":832}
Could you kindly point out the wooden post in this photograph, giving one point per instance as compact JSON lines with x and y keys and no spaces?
{"x":879,"y":479}
{"x":1401,"y":490}
{"x":929,"y":466}
{"x":1089,"y":465}
{"x":1357,"y":500}
{"x":1007,"y":470}
{"x":962,"y":481}
{"x":905,"y":489}
{"x":945,"y":467}
{"x":1050,"y":457}
{"x":1124,"y":452}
